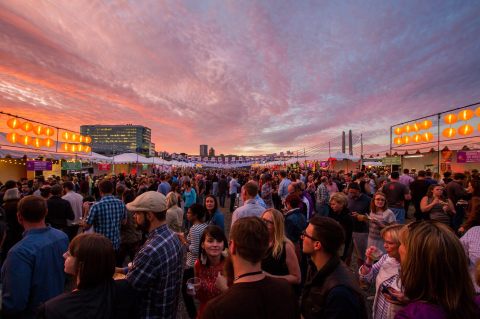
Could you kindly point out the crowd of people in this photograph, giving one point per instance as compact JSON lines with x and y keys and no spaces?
{"x":131,"y":246}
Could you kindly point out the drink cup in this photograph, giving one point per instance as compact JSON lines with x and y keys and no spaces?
{"x":376,"y":254}
{"x":192,"y":285}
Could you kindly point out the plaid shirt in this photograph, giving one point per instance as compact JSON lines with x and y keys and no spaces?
{"x":322,"y":195}
{"x":157,"y":274}
{"x":106,"y":216}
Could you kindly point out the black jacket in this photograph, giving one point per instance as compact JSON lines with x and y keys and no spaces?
{"x":332,"y":292}
{"x":59,"y":210}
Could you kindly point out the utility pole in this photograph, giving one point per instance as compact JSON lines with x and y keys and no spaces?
{"x":361,"y":151}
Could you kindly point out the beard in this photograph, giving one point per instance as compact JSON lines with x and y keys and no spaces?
{"x":145,"y":226}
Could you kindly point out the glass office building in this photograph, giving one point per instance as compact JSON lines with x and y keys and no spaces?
{"x":117,"y":139}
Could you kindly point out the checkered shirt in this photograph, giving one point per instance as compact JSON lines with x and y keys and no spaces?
{"x":157,"y":274}
{"x":106,"y":217}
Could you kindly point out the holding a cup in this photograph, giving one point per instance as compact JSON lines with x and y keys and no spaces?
{"x":192,"y":285}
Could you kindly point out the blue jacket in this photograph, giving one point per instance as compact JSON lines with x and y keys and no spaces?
{"x":33,"y":271}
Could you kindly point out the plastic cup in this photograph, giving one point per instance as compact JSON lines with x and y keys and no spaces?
{"x":376,"y":254}
{"x":192,"y":285}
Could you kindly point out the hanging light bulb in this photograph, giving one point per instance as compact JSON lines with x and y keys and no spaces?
{"x":465,"y":115}
{"x":37,"y":142}
{"x":66,"y":136}
{"x":25,"y":140}
{"x":450,"y":119}
{"x":48,"y":142}
{"x":14,"y":123}
{"x":426,"y":124}
{"x":27,"y":126}
{"x":449,"y":132}
{"x":465,"y":129}
{"x":49,"y":131}
{"x":427,"y":136}
{"x":13,"y":137}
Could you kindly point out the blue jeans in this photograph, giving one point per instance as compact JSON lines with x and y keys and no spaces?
{"x":399,"y":214}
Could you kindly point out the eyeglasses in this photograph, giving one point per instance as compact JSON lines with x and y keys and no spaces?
{"x":304,"y":234}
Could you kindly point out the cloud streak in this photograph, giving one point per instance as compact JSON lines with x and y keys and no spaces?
{"x":243,"y":77}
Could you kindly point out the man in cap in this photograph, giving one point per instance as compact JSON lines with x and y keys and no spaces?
{"x":156,"y":271}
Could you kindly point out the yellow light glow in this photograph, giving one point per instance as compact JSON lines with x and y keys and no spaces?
{"x":27,"y":126}
{"x":14,"y":123}
{"x":465,"y":129}
{"x":450,"y":119}
{"x":465,"y":115}
{"x":449,"y":132}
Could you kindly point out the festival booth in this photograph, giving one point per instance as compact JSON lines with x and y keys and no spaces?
{"x":447,"y":141}
{"x":346,"y":162}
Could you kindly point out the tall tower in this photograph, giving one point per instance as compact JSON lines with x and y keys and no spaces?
{"x":203,"y":150}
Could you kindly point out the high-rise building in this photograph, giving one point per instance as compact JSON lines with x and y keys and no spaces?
{"x":203,"y":150}
{"x":118,"y":139}
{"x":211,"y":152}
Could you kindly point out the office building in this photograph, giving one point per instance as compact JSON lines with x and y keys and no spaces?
{"x":117,"y":139}
{"x":203,"y":150}
{"x":211,"y":152}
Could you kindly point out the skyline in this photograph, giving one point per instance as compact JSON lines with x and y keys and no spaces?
{"x":247,"y":78}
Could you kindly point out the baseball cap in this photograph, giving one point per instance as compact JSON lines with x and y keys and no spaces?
{"x":150,"y":201}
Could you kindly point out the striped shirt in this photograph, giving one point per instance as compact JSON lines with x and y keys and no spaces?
{"x":157,"y":274}
{"x":106,"y":217}
{"x":381,"y":307}
{"x":193,"y":238}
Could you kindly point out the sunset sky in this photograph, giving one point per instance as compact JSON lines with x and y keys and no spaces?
{"x":246,"y":77}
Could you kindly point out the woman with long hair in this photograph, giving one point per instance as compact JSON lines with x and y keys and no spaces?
{"x":90,"y":259}
{"x":437,"y":205}
{"x":380,"y":217}
{"x":209,"y":265}
{"x":383,"y":270}
{"x":214,"y":216}
{"x":434,"y":273}
{"x":281,"y":260}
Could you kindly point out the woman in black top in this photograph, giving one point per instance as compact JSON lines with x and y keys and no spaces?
{"x":281,"y":260}
{"x":91,"y":260}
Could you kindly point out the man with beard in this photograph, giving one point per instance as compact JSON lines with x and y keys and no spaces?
{"x":253,"y":293}
{"x":156,"y":271}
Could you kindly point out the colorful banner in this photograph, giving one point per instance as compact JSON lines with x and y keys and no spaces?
{"x":104,"y":167}
{"x":39,"y":166}
{"x":72,"y":166}
{"x":397,"y":160}
{"x":468,"y":157}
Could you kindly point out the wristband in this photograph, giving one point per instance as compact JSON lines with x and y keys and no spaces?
{"x":125,"y":270}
